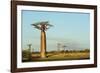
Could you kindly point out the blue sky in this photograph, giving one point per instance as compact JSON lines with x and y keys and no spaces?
{"x":69,"y":28}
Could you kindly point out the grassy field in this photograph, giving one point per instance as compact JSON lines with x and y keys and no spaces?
{"x":53,"y":56}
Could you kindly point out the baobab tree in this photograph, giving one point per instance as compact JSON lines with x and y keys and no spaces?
{"x":43,"y":26}
{"x":29,"y":48}
{"x":58,"y":46}
{"x":64,"y":46}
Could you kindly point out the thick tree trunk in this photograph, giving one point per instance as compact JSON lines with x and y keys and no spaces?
{"x":43,"y":44}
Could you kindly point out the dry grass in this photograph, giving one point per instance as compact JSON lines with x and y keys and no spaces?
{"x":61,"y":56}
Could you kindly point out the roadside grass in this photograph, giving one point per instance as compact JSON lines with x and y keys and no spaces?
{"x":58,"y":56}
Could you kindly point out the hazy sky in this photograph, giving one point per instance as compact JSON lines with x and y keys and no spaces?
{"x":70,"y":29}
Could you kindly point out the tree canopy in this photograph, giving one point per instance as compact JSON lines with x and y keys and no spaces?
{"x":42,"y":25}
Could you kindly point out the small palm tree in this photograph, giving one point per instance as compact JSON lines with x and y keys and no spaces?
{"x":43,"y":26}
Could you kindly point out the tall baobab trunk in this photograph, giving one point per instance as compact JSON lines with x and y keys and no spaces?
{"x":43,"y":26}
{"x":43,"y":44}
